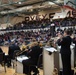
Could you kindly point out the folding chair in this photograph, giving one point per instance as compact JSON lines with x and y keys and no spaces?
{"x":14,"y":57}
{"x":39,"y":63}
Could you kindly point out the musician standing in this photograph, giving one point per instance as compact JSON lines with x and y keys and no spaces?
{"x":65,"y":51}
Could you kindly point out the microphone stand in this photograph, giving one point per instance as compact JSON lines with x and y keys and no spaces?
{"x":15,"y":66}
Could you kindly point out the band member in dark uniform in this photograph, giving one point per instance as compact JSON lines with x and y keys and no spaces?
{"x":33,"y":55}
{"x":65,"y":42}
{"x":12,"y":48}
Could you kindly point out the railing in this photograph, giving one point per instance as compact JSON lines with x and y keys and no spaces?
{"x":36,"y":30}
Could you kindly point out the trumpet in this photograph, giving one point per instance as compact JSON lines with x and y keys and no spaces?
{"x":51,"y":43}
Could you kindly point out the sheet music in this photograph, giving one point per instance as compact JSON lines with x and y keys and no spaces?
{"x":71,"y":46}
{"x":51,"y":49}
{"x":6,"y":54}
{"x":21,"y":58}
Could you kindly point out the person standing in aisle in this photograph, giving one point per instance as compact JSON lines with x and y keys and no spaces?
{"x":65,"y":42}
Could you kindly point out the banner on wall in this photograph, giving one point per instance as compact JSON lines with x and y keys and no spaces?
{"x":39,"y":17}
{"x":60,"y":15}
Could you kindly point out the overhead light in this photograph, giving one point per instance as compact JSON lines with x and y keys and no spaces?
{"x":19,"y":2}
{"x":59,"y":1}
{"x":51,"y":3}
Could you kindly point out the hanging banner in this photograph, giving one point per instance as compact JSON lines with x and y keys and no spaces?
{"x":39,"y":17}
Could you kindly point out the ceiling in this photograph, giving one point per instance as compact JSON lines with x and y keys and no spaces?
{"x":28,"y":6}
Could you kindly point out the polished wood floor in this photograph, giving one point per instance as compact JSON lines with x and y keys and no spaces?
{"x":11,"y":71}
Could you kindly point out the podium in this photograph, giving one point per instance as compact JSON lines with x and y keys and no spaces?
{"x":19,"y":67}
{"x":50,"y":60}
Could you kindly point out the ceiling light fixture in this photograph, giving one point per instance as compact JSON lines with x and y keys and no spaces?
{"x":58,"y":1}
{"x":19,"y":2}
{"x":51,"y":3}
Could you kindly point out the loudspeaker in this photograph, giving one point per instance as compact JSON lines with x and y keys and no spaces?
{"x":52,"y":31}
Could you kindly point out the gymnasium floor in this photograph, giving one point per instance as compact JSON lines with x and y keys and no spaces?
{"x":11,"y":71}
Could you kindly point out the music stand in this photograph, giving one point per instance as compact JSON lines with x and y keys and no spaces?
{"x":16,"y":53}
{"x":15,"y":66}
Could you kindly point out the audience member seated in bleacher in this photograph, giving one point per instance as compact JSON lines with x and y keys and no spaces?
{"x":20,"y":36}
{"x":30,"y":25}
{"x":68,"y":21}
{"x":33,"y":55}
{"x":42,"y":24}
{"x":12,"y":48}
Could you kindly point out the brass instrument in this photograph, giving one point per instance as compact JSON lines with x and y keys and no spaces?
{"x":20,"y":52}
{"x":51,"y":43}
{"x":26,"y":49}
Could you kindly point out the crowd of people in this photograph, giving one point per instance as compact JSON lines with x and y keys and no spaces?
{"x":65,"y":22}
{"x":21,"y":36}
{"x":42,"y":24}
{"x":30,"y":25}
{"x":40,"y":38}
{"x":37,"y":40}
